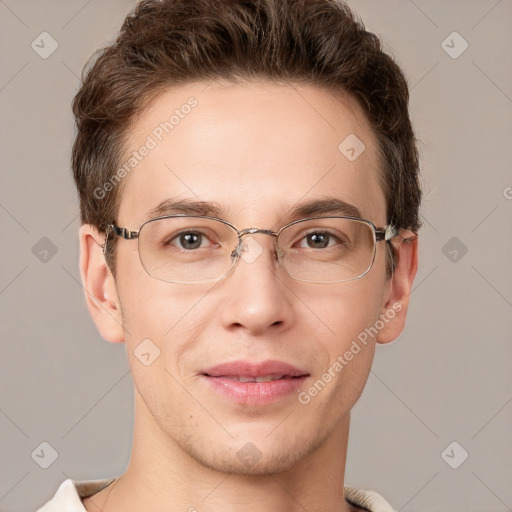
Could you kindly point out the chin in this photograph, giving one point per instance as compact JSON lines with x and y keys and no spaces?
{"x":257,"y":456}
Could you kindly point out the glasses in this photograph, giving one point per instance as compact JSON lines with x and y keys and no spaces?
{"x":199,"y":249}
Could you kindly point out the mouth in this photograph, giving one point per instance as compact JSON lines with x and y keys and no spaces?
{"x":248,"y":371}
{"x":248,"y":378}
{"x":253,"y":384}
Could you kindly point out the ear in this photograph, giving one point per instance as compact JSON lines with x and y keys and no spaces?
{"x":396,"y":304}
{"x":99,"y":285}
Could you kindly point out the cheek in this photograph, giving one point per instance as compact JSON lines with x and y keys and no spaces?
{"x":159,"y":318}
{"x":348,"y":308}
{"x":347,"y":314}
{"x":152,"y":308}
{"x":163,"y":320}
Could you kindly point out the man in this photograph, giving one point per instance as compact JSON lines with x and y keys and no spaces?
{"x":248,"y":182}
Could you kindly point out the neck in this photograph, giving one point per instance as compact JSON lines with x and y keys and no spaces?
{"x":165,"y":473}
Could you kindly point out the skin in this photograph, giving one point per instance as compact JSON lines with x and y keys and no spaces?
{"x":256,"y":149}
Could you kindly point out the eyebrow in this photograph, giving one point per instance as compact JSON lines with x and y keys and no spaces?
{"x":327,"y":206}
{"x":186,"y":206}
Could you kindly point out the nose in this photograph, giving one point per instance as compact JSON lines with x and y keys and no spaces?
{"x":258,"y":295}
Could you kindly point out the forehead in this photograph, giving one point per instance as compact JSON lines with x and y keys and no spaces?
{"x":255,"y":150}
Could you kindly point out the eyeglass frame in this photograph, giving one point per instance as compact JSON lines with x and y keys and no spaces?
{"x":386,"y":233}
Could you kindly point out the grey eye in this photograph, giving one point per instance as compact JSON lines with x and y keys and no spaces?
{"x":318,"y":240}
{"x":188,"y":240}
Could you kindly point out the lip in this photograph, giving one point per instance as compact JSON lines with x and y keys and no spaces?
{"x":251,"y":369}
{"x":254,"y":393}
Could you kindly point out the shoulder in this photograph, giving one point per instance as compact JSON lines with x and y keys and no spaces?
{"x":367,"y":500}
{"x":70,"y":493}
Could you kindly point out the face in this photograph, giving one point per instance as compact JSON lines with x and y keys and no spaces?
{"x":256,"y":151}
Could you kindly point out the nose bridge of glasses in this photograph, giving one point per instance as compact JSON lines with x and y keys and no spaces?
{"x":253,"y":231}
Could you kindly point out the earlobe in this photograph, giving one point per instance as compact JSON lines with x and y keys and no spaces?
{"x":394,"y":311}
{"x":99,"y":285}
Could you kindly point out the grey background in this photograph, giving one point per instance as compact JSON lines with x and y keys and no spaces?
{"x":447,"y":378}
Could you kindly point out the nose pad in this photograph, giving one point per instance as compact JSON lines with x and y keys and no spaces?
{"x":249,"y":249}
{"x":237,"y":251}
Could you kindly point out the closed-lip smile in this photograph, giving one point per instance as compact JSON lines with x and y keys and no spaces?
{"x":251,"y":383}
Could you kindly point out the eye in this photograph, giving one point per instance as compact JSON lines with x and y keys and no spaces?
{"x":189,"y":240}
{"x":319,"y":240}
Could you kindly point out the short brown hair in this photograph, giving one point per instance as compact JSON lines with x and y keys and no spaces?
{"x":165,"y":43}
